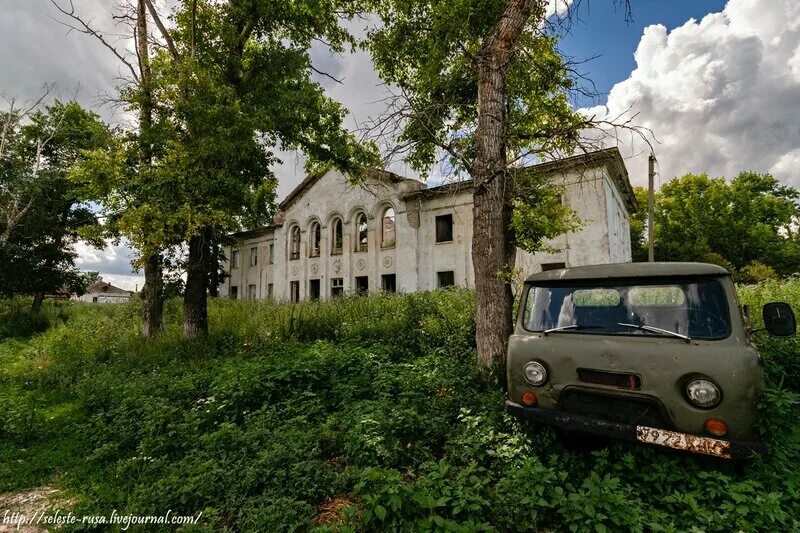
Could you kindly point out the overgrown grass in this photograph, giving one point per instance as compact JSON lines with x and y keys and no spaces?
{"x":366,"y":413}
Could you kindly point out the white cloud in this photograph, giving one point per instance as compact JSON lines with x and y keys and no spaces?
{"x":113,"y":262}
{"x":722,"y":94}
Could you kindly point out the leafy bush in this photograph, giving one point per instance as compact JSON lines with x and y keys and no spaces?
{"x":17,"y":319}
{"x":756,"y":272}
{"x":365,"y":413}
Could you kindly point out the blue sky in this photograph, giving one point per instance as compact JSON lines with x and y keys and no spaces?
{"x":601,"y":29}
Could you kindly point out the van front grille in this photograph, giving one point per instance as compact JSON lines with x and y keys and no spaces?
{"x":611,"y":379}
{"x":615,"y":408}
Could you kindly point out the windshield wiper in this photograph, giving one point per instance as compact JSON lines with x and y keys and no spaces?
{"x":572,"y":327}
{"x":656,"y":330}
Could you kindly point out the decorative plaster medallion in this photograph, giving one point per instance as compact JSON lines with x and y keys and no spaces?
{"x":387,"y":262}
{"x":361,"y":264}
{"x":294,"y":270}
{"x":337,"y":265}
{"x":314,"y":268}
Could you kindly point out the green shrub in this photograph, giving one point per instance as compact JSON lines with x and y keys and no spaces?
{"x":364,"y":413}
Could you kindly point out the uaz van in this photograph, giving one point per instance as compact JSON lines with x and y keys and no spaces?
{"x":657,"y":353}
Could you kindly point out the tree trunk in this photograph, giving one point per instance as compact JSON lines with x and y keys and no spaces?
{"x":153,"y":290}
{"x":214,"y":280}
{"x":153,"y":297}
{"x":493,"y":253}
{"x":38,"y":300}
{"x":195,"y":295}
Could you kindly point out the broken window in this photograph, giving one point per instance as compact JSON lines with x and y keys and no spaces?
{"x":362,"y":244}
{"x":444,"y":228}
{"x":337,"y":287}
{"x":336,"y":247}
{"x":445,"y":279}
{"x":388,"y":233}
{"x":316,"y":236}
{"x":294,"y":245}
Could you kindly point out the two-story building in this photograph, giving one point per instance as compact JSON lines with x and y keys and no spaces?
{"x":396,"y":234}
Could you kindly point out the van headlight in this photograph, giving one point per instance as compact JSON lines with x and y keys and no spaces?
{"x":535,"y":373}
{"x":703,"y":393}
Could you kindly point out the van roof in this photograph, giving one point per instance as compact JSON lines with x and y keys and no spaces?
{"x":631,"y":270}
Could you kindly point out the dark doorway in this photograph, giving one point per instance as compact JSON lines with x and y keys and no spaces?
{"x":294,"y":291}
{"x":389,"y":282}
{"x":313,"y":289}
{"x":234,"y":292}
{"x":362,"y":284}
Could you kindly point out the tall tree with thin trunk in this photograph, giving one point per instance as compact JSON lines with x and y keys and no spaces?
{"x":478,"y":89}
{"x":130,"y":187}
{"x":153,"y":289}
{"x":233,"y":82}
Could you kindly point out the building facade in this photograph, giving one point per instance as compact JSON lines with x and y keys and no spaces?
{"x":102,"y":292}
{"x":395,"y":234}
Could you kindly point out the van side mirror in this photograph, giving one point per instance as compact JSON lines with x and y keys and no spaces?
{"x":779,"y":319}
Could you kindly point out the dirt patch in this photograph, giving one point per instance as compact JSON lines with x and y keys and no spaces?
{"x":29,"y":505}
{"x":331,"y":513}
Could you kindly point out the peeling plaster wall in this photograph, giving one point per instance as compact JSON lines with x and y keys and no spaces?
{"x":416,"y":257}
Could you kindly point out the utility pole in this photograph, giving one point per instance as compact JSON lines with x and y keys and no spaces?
{"x":651,"y":172}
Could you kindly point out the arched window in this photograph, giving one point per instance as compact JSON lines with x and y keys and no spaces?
{"x":294,"y":244}
{"x":316,"y":236}
{"x":362,"y":244}
{"x":337,"y":236}
{"x":388,"y":229}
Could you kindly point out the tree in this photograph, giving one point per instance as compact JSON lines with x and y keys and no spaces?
{"x":233,"y":83}
{"x":482,"y":90}
{"x":638,"y":226}
{"x":38,"y":245}
{"x":132,"y":187}
{"x":749,"y":223}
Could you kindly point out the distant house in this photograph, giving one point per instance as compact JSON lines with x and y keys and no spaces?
{"x":105,"y":293}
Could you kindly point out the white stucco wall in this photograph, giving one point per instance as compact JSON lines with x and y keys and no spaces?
{"x":416,"y":258}
{"x":104,"y":298}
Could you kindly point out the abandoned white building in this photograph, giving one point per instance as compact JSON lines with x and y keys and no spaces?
{"x":102,"y":292}
{"x":396,"y":234}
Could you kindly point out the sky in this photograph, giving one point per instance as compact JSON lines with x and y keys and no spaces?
{"x":717,"y":82}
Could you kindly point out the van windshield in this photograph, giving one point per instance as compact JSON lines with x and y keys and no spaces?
{"x":697,"y":309}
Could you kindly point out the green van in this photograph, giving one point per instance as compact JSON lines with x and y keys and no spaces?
{"x":657,"y":353}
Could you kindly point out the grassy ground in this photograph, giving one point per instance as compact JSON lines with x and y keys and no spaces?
{"x":367,"y":413}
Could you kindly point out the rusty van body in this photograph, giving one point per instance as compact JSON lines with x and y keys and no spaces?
{"x":657,"y":353}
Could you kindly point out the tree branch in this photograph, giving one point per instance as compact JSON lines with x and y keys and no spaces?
{"x":163,"y":29}
{"x":88,"y":30}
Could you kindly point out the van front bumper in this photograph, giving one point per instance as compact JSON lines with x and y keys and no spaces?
{"x":687,"y":442}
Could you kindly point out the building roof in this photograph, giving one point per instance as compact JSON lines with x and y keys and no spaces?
{"x":610,"y":157}
{"x":250,"y":233}
{"x":630,"y":270}
{"x":105,"y":288}
{"x":311,"y":179}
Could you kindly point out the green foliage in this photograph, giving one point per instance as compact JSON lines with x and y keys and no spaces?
{"x":756,"y":272}
{"x":430,"y":50}
{"x":748,"y":224}
{"x":38,"y":196}
{"x":783,"y":363}
{"x":364,"y":413}
{"x":540,"y":213}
